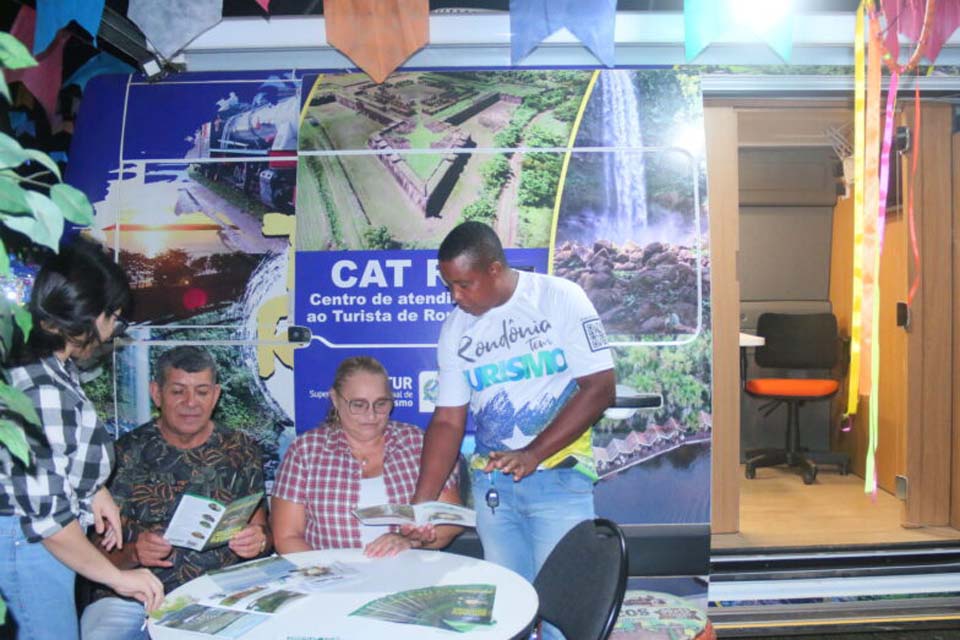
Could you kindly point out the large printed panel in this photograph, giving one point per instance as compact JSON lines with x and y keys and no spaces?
{"x":599,"y":175}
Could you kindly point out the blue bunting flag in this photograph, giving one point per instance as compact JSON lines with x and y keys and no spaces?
{"x":707,"y":21}
{"x":591,"y":22}
{"x":53,"y":15}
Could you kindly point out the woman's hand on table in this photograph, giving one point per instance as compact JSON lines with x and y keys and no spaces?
{"x":106,"y":519}
{"x":140,"y":584}
{"x":389,"y":544}
{"x":250,"y":542}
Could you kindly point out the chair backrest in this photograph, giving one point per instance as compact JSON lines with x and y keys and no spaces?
{"x":582,"y":582}
{"x":797,"y":341}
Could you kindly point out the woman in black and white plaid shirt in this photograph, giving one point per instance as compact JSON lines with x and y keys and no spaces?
{"x":45,"y":510}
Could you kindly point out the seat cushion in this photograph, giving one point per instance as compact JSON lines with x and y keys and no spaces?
{"x":652,"y":615}
{"x":792,"y":387}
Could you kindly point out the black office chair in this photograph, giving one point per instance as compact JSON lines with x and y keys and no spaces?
{"x":582,"y":582}
{"x":796,"y":342}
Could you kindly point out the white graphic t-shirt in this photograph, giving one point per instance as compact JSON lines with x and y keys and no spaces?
{"x":517,"y":365}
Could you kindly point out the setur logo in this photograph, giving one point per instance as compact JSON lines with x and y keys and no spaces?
{"x":427,"y":385}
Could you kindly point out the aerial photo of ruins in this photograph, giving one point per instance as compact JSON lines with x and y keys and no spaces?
{"x":397,"y":165}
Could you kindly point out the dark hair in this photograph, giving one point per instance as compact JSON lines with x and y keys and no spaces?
{"x":187,"y":358}
{"x":477,"y":241}
{"x":69,"y":293}
{"x":348,"y":367}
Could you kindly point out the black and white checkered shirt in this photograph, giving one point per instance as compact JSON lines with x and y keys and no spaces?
{"x":70,"y":467}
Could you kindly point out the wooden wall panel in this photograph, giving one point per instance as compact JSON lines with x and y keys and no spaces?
{"x":930,"y":338}
{"x":722,"y":172}
{"x":955,"y":448}
{"x":892,"y":414}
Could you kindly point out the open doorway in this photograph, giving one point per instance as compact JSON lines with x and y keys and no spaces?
{"x":794,"y":232}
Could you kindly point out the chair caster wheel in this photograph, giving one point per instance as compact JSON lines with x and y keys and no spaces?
{"x":750,"y":472}
{"x":809,"y":476}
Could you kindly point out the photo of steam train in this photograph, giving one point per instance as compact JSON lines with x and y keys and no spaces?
{"x":252,"y":146}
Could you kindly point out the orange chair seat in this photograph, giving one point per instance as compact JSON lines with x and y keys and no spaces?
{"x":792,"y":387}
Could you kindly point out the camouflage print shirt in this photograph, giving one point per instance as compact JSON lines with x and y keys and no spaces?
{"x":151,"y":475}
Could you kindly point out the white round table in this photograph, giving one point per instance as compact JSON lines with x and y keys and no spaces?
{"x":324,"y":614}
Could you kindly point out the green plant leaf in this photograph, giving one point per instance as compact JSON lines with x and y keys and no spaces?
{"x":12,"y":200}
{"x":46,"y":228}
{"x":5,"y":90}
{"x":24,"y":320}
{"x":18,"y":402}
{"x":4,"y":260}
{"x":13,"y":55}
{"x":11,"y":153}
{"x":73,"y":204}
{"x":45,"y":160}
{"x":11,"y":436}
{"x":3,"y":611}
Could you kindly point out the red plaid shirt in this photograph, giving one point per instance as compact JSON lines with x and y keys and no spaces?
{"x":319,"y":472}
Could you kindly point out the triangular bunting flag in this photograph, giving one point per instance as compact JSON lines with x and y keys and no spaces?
{"x":43,"y":80}
{"x":173,"y":24}
{"x":531,"y":21}
{"x":906,"y":17}
{"x":707,"y":21}
{"x":53,"y":15}
{"x":378,"y":35}
{"x":98,"y":65}
{"x":264,"y":4}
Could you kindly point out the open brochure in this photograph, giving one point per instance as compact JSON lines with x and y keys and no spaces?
{"x":417,"y":514}
{"x":277,"y":571}
{"x":249,"y":594}
{"x":202,"y":523}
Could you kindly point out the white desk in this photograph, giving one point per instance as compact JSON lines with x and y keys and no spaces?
{"x":750,"y":340}
{"x":325,"y":614}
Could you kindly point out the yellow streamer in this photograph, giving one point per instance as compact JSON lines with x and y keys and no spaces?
{"x":853,"y":382}
{"x":871,"y":208}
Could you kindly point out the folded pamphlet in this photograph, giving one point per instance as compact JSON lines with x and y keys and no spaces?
{"x":417,"y":514}
{"x":202,"y":523}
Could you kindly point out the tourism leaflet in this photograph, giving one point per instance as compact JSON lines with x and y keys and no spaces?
{"x":248,"y":574}
{"x":187,"y":615}
{"x":459,"y":607}
{"x":202,"y":523}
{"x":417,"y":514}
{"x":250,"y":594}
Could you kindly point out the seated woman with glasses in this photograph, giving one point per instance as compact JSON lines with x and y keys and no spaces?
{"x":357,"y":458}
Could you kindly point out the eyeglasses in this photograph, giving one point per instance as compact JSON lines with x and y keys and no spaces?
{"x":359,"y":407}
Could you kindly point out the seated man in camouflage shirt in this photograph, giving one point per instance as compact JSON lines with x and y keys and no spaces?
{"x":183,"y":451}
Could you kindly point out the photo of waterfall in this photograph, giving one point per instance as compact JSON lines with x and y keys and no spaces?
{"x":630,"y":227}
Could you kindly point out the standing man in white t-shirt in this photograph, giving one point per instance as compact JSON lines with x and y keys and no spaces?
{"x":527,"y":355}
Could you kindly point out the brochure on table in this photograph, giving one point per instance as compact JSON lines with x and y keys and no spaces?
{"x":457,"y":607}
{"x":250,"y":593}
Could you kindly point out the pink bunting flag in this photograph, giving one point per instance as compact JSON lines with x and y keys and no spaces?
{"x":264,"y":4}
{"x":43,"y":80}
{"x":906,"y":18}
